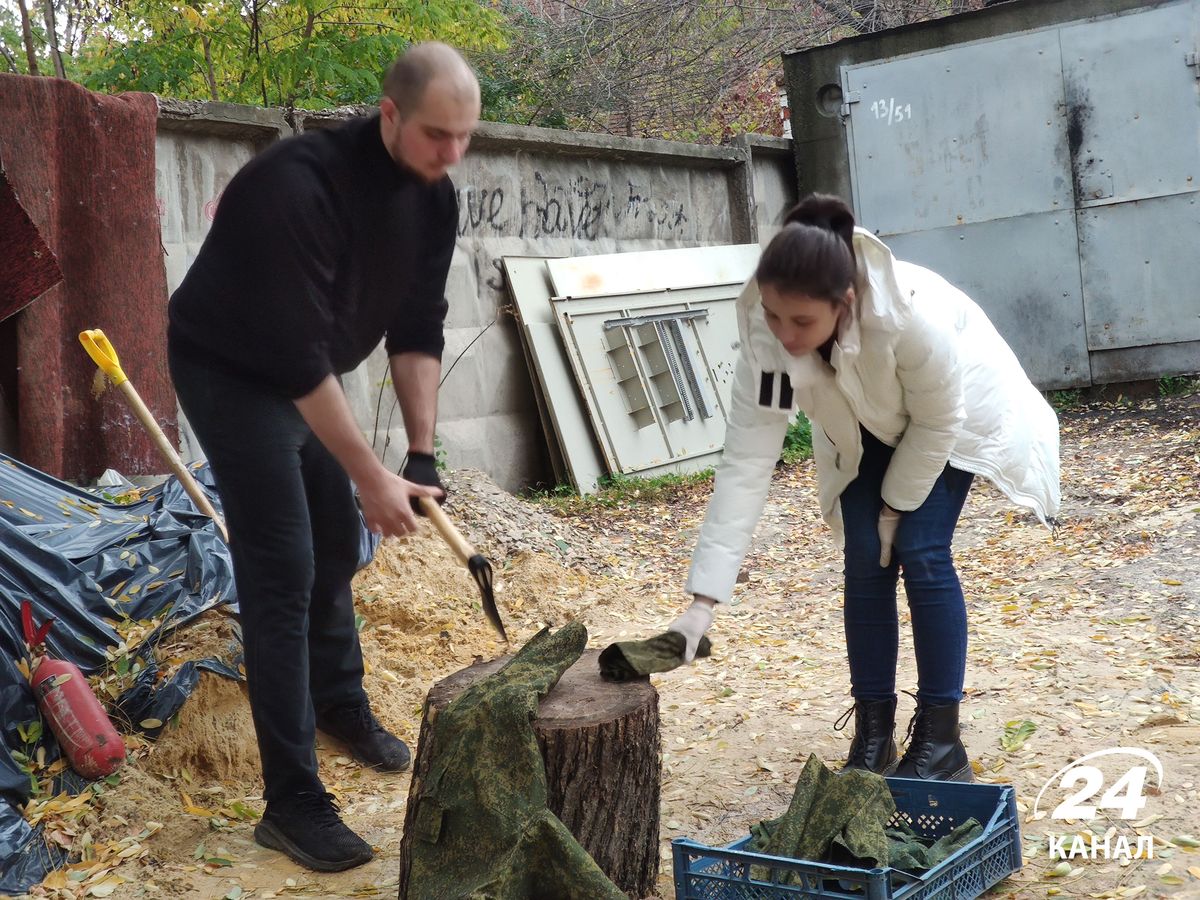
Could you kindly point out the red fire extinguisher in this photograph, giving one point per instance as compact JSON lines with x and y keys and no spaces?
{"x":84,"y":731}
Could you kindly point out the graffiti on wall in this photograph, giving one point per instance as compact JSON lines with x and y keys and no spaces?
{"x":578,"y":207}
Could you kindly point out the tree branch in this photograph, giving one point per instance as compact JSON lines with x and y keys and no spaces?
{"x":9,"y":58}
{"x":52,"y":38}
{"x":27,"y":37}
{"x":209,"y":73}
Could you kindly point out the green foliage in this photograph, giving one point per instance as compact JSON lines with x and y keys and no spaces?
{"x":10,"y":38}
{"x":1063,"y":400}
{"x":625,"y":490}
{"x":31,"y":758}
{"x":702,"y":70}
{"x":797,"y":443}
{"x":283,"y":53}
{"x":698,"y":71}
{"x":439,"y":454}
{"x":1175,"y":385}
{"x":513,"y":81}
{"x":617,"y":489}
{"x":621,"y":490}
{"x":508,"y":96}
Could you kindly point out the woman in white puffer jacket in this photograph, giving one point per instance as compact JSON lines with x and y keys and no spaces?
{"x":911,"y":392}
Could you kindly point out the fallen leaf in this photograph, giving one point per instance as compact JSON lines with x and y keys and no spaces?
{"x":1016,"y":733}
{"x":1063,"y":868}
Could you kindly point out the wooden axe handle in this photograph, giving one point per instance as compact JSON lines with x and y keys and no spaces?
{"x":459,"y":544}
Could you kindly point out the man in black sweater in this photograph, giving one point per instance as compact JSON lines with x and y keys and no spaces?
{"x":322,"y":245}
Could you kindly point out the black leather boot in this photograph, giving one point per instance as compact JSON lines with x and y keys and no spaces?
{"x":874,"y":744}
{"x":935,"y":752}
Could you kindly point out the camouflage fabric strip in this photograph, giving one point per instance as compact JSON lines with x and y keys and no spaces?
{"x":627,"y":660}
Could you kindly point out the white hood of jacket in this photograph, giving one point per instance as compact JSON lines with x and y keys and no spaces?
{"x":920,"y":366}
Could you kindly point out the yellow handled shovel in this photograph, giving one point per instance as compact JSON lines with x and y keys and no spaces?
{"x":104,"y":356}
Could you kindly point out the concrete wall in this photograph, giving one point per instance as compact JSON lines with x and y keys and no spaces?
{"x":773,"y":187}
{"x":522,"y":191}
{"x":198,"y":149}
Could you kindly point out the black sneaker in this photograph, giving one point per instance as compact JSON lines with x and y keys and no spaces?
{"x":371,"y":743}
{"x":307,"y":828}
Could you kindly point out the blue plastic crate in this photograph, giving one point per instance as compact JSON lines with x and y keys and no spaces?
{"x":930,"y":808}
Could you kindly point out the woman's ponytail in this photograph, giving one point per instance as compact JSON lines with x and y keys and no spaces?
{"x":825,"y":211}
{"x":814,"y":253}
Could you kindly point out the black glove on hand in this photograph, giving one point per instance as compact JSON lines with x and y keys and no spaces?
{"x":421,"y":468}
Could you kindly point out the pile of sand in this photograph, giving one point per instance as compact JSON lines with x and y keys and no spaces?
{"x":421,"y":620}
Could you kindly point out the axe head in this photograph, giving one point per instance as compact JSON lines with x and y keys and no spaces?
{"x":481,"y":571}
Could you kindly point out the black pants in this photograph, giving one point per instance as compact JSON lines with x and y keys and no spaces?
{"x":294,"y":536}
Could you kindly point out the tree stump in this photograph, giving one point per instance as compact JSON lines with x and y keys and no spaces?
{"x":600,"y":745}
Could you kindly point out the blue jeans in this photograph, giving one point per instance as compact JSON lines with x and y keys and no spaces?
{"x":935,"y":598}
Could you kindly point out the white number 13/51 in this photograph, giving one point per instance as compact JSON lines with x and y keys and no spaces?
{"x":891,"y":110}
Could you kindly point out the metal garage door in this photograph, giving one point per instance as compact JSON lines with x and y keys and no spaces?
{"x":1053,"y":176}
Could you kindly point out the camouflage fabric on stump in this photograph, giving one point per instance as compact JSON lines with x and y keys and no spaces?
{"x":833,"y":817}
{"x":482,"y":829}
{"x":627,"y":660}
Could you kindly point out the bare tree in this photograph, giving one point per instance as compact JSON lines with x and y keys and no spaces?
{"x":679,"y":68}
{"x":81,"y":18}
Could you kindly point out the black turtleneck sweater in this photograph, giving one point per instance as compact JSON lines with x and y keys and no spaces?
{"x":321,"y":246}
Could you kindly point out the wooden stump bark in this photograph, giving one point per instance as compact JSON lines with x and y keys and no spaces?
{"x":601,"y":748}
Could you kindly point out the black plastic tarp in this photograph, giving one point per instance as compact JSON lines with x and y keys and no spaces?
{"x":88,"y":563}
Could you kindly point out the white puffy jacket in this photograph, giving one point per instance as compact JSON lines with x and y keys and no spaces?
{"x":920,"y":366}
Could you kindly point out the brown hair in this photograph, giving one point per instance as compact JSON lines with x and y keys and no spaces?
{"x":410,"y":74}
{"x":814,"y":253}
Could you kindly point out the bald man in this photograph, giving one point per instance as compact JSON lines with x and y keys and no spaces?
{"x":322,"y":245}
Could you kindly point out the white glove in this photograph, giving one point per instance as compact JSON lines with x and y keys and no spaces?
{"x":692,"y":623}
{"x":889,"y":522}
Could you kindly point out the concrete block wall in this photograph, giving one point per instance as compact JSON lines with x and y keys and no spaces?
{"x":522,"y":191}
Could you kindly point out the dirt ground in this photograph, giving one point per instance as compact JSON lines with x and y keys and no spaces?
{"x":1091,"y":634}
